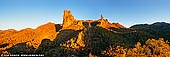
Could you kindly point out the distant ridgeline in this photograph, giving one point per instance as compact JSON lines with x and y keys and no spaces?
{"x":89,"y":38}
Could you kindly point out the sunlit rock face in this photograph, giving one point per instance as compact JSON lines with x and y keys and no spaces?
{"x":105,"y":24}
{"x":70,"y":23}
{"x":68,"y":19}
{"x":75,"y":43}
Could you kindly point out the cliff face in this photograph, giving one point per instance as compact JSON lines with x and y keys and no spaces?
{"x":70,"y":23}
{"x":105,"y":24}
{"x":68,"y":19}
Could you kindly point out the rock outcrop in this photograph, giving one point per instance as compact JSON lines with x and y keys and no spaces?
{"x":75,"y":43}
{"x":68,"y":19}
{"x":80,"y":40}
{"x":105,"y":24}
{"x":70,"y":23}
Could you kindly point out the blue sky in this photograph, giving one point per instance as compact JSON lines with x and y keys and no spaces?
{"x":20,"y":14}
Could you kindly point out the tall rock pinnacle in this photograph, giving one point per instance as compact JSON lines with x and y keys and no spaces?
{"x":104,"y":23}
{"x":101,"y":17}
{"x":68,"y":18}
{"x":70,"y":23}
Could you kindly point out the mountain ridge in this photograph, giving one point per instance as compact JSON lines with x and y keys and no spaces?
{"x":82,"y":38}
{"x":50,"y":30}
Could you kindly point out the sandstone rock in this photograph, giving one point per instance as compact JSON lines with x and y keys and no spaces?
{"x":105,"y":24}
{"x":68,"y":19}
{"x":80,"y":40}
{"x":70,"y":23}
{"x":117,"y":25}
{"x":76,"y":43}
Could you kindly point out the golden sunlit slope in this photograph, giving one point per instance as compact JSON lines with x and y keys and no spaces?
{"x":33,"y":37}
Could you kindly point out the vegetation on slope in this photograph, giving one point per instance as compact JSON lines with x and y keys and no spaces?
{"x":100,"y":42}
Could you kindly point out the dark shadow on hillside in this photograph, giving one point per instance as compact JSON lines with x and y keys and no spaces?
{"x":58,"y":27}
{"x":4,"y":45}
{"x":21,"y":48}
{"x":65,"y":35}
{"x":94,"y":23}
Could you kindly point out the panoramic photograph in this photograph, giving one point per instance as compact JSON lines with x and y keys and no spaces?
{"x":84,"y":28}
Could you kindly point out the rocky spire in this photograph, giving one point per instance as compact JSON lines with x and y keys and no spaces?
{"x":68,"y":18}
{"x":101,"y":17}
{"x":70,"y":23}
{"x":105,"y":24}
{"x":102,"y":21}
